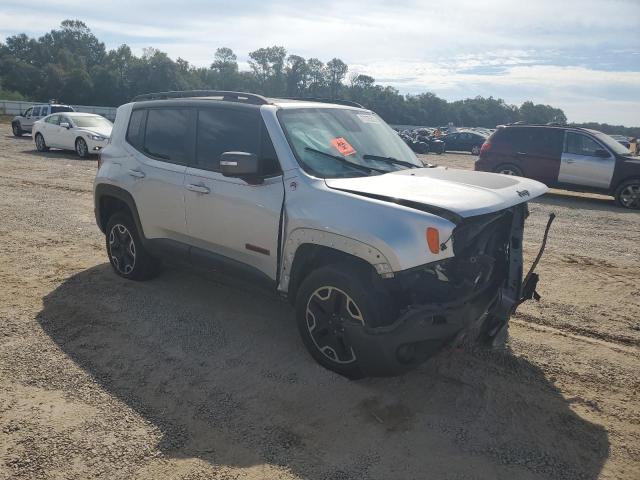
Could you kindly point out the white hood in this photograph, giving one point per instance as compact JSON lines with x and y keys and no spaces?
{"x":466,"y":193}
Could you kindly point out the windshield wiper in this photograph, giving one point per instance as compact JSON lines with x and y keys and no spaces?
{"x":344,"y":160}
{"x":395,"y":161}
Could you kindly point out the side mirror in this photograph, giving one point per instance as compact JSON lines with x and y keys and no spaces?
{"x":242,"y":165}
{"x":65,"y":125}
{"x":601,"y":153}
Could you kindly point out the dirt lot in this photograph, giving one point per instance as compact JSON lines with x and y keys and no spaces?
{"x":189,"y":376}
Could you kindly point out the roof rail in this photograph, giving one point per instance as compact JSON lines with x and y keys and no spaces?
{"x":348,"y":103}
{"x":225,"y":96}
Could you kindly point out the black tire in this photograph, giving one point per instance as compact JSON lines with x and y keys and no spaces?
{"x":628,"y":194}
{"x":347,"y":293}
{"x":16,"y":129}
{"x":81,"y":148}
{"x":475,"y":150}
{"x":41,"y":145}
{"x":127,"y":255}
{"x":509,"y":169}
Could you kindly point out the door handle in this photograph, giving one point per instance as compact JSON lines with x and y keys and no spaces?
{"x":136,"y":173}
{"x":197,"y":188}
{"x":570,"y":161}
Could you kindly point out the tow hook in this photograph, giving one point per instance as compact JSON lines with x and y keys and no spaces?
{"x":530,"y":282}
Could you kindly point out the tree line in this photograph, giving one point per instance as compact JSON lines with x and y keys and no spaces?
{"x":73,"y":66}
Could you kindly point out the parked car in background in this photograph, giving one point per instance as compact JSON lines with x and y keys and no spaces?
{"x":86,"y":133}
{"x":464,"y":141}
{"x":624,"y":141}
{"x":386,"y":261}
{"x":564,"y":157}
{"x":23,"y":123}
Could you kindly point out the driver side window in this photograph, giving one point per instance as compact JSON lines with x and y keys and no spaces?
{"x":28,"y":112}
{"x":580,"y":144}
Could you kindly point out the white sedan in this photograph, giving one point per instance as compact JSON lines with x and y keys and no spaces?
{"x":86,"y":133}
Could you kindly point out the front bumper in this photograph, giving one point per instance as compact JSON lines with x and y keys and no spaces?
{"x":421,"y":332}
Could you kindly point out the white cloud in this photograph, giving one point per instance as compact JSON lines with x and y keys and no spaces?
{"x":545,"y":50}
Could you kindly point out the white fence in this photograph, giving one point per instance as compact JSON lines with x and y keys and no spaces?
{"x":13,"y":107}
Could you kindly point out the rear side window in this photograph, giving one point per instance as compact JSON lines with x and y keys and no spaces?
{"x":546,"y":141}
{"x":59,"y":109}
{"x":135,"y":131}
{"x":168,"y":134}
{"x":225,"y":130}
{"x":580,"y":144}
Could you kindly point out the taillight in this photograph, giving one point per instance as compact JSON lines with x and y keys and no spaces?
{"x":486,"y":146}
{"x":433,"y":240}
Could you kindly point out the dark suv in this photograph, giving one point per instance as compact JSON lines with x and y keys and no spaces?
{"x":564,"y":157}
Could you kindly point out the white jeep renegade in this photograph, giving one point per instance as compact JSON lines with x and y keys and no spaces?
{"x":385,"y":260}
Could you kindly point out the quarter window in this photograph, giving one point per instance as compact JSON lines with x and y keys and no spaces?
{"x":224,"y":130}
{"x":135,"y":131}
{"x":167,"y":135}
{"x":580,"y":144}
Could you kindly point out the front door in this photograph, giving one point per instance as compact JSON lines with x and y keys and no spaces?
{"x":580,"y":165}
{"x":226,"y":216}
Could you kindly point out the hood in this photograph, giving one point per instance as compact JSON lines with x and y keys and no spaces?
{"x":464,"y":193}
{"x":102,"y":131}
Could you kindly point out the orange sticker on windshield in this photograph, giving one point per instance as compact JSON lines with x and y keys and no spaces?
{"x":343,"y":146}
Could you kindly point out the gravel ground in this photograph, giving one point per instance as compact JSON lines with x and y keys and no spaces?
{"x":190,"y":376}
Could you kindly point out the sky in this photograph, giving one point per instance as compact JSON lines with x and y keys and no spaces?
{"x":580,"y":55}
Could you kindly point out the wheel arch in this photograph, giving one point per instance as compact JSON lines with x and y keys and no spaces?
{"x":307,"y":249}
{"x":109,"y":199}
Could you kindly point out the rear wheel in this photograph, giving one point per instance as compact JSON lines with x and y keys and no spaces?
{"x":628,"y":194}
{"x":475,"y":150}
{"x":81,"y":148}
{"x":127,"y":255}
{"x":40,"y":143}
{"x":509,"y":169}
{"x":329,"y":299}
{"x":16,"y":129}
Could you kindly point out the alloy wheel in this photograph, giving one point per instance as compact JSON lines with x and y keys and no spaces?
{"x":122,"y":249}
{"x":507,"y":171}
{"x":40,"y":142}
{"x":328,"y":310}
{"x":630,"y":196}
{"x":81,"y":148}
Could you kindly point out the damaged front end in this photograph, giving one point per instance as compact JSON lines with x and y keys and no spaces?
{"x":467,"y":298}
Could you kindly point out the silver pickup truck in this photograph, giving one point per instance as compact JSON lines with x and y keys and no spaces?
{"x":385,"y":260}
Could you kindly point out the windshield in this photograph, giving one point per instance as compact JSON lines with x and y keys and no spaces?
{"x":612,"y":143}
{"x":92,"y":122}
{"x":339,"y":142}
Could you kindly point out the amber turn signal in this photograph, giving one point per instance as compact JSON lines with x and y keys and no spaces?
{"x":433,"y":240}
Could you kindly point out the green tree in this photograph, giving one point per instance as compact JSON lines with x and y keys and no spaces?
{"x":267,"y":65}
{"x":336,"y":71}
{"x":225,"y":68}
{"x":297,"y":74}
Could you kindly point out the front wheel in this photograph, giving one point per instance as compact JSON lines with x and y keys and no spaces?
{"x":628,"y":194}
{"x":16,"y":129}
{"x":329,"y":299}
{"x":475,"y":150}
{"x":41,"y":145}
{"x":81,"y":148}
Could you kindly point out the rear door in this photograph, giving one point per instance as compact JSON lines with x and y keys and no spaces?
{"x":543,"y":151}
{"x":160,"y":140}
{"x":50,"y":130}
{"x":581,"y":165}
{"x":228,"y":216}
